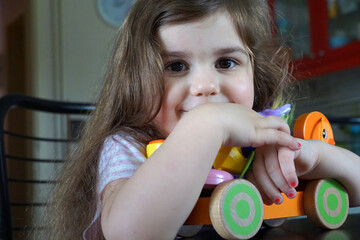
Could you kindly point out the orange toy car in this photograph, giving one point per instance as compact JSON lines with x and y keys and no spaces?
{"x":235,"y":207}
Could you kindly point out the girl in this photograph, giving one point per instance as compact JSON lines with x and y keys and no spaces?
{"x":194,"y":72}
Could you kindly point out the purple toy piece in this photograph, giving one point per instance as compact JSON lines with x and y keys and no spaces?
{"x":216,"y":177}
{"x":277,"y":111}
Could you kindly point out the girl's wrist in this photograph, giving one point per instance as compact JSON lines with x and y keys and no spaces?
{"x":323,"y":165}
{"x":202,"y":122}
{"x":205,"y":119}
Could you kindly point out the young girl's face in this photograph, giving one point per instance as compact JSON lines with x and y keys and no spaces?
{"x":205,"y":61}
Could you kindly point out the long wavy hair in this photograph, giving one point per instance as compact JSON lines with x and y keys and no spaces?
{"x":133,"y":92}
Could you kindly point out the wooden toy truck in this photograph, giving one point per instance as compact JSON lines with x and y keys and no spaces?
{"x":235,"y":207}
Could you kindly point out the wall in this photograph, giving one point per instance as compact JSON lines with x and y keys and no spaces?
{"x":10,"y":12}
{"x":71,"y":46}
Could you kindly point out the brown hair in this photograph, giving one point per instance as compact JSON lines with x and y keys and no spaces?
{"x":133,"y":91}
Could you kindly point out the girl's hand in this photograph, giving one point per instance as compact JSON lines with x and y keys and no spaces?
{"x":273,"y":171}
{"x":242,"y":126}
{"x":276,"y":169}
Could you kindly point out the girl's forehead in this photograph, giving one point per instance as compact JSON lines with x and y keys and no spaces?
{"x":201,"y":21}
{"x":217,"y":29}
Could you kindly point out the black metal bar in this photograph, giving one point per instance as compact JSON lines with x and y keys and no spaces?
{"x":37,"y":138}
{"x":30,"y":181}
{"x":26,"y":159}
{"x":59,"y":107}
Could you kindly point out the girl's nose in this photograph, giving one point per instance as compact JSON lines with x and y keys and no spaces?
{"x":204,"y":86}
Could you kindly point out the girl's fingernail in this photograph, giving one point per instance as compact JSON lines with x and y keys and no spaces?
{"x":277,"y":200}
{"x":291,"y":195}
{"x":293,"y":184}
{"x":299,"y":144}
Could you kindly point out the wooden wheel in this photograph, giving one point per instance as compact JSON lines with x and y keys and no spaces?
{"x":326,"y":203}
{"x":236,"y":209}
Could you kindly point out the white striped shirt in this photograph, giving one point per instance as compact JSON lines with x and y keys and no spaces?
{"x":119,"y":158}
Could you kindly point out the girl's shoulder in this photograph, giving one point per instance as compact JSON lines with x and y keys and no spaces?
{"x":121,"y":149}
{"x":121,"y":140}
{"x":120,"y":157}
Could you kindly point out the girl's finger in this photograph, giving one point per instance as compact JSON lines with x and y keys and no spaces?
{"x":275,"y":123}
{"x":272,"y":166}
{"x":264,"y":181}
{"x":274,"y":137}
{"x":265,"y":198}
{"x":287,"y":165}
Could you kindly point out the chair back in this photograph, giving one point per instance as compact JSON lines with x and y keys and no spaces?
{"x":35,"y":136}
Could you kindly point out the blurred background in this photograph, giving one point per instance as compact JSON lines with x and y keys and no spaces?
{"x":54,"y":49}
{"x":59,"y":49}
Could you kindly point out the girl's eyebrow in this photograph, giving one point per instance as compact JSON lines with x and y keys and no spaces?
{"x":175,"y":54}
{"x":228,"y":50}
{"x":220,"y":51}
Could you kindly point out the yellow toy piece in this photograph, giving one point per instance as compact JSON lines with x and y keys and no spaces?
{"x":153,"y":146}
{"x":230,"y":159}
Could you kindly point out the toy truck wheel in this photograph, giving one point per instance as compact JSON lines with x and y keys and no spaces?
{"x":277,"y":222}
{"x":236,"y":209}
{"x":326,"y":203}
{"x":189,"y":230}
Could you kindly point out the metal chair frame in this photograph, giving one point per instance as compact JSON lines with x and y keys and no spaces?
{"x":7,"y":103}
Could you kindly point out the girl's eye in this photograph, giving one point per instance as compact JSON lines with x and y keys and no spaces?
{"x":225,"y":63}
{"x":176,"y":67}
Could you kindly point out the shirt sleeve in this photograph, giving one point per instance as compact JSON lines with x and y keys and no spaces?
{"x":120,"y":157}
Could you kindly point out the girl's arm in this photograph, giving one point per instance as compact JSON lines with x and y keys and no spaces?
{"x":331,"y":162}
{"x":157,"y":199}
{"x":276,"y":168}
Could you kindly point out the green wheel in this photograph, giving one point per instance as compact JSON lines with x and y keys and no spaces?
{"x":236,"y":209}
{"x":326,"y":203}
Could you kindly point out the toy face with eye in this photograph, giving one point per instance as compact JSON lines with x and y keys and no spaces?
{"x":314,"y":125}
